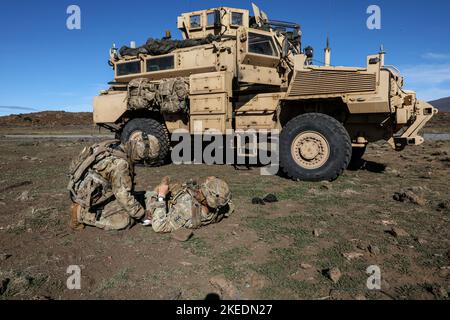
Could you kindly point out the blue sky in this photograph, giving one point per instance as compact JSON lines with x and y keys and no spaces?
{"x":45,"y":66}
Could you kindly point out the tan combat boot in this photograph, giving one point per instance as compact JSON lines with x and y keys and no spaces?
{"x":74,"y":224}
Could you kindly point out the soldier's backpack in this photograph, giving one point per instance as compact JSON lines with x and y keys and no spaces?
{"x":192,"y":187}
{"x":141,"y":95}
{"x":86,"y":187}
{"x":172,"y":95}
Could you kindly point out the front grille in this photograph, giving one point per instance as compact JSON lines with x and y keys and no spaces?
{"x":331,"y":82}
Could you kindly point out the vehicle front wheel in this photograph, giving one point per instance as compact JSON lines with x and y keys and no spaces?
{"x":134,"y":128}
{"x":314,"y":147}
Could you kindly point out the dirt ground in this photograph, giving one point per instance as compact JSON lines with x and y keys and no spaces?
{"x":282,"y":250}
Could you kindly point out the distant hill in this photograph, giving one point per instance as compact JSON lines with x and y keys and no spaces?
{"x":442,"y":104}
{"x":47,"y":119}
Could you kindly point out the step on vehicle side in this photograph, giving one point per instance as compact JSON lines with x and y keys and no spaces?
{"x":236,"y":71}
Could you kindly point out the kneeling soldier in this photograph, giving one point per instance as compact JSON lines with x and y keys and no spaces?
{"x":189,"y":206}
{"x":101,"y":183}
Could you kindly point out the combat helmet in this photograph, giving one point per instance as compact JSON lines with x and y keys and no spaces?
{"x":216,"y":191}
{"x":144,"y":148}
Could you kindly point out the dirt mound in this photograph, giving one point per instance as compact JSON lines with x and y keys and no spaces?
{"x":47,"y":119}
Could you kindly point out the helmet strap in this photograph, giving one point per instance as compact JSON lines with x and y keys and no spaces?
{"x":147,"y":147}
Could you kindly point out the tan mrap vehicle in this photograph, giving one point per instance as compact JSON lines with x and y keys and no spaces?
{"x":236,"y":71}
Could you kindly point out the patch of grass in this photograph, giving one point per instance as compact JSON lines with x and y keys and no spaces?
{"x":21,"y":283}
{"x":246,"y":191}
{"x":270,"y":229}
{"x":17,"y":230}
{"x":276,"y":272}
{"x":66,"y":242}
{"x":235,"y":254}
{"x":198,"y":247}
{"x":295,"y":192}
{"x":41,"y":218}
{"x":429,"y":257}
{"x":119,"y":279}
{"x":37,"y":281}
{"x":268,"y":292}
{"x":408,"y":291}
{"x":220,"y":236}
{"x":279,"y":271}
{"x":304,"y":289}
{"x":399,"y":263}
{"x":285,"y":263}
{"x":352,"y":282}
{"x":332,"y":257}
{"x":228,"y":263}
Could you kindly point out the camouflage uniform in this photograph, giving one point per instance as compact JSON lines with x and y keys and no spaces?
{"x":122,"y":206}
{"x":104,"y":194}
{"x":183,"y":210}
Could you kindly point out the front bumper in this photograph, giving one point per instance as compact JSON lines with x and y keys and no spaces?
{"x":423,"y":113}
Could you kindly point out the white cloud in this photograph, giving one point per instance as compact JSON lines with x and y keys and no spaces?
{"x":436,"y":56}
{"x":430,"y":80}
{"x":427,"y":74}
{"x":17,"y":108}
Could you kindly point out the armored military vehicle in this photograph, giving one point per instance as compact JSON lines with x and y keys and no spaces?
{"x":234,"y":70}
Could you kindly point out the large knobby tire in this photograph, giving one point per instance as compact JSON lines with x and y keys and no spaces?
{"x":151,"y":127}
{"x":314,"y":147}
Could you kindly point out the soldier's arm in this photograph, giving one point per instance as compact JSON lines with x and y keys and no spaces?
{"x":158,"y":212}
{"x":122,"y":185}
{"x":160,"y":220}
{"x":231,"y":209}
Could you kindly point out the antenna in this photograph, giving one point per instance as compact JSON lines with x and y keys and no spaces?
{"x":328,"y":53}
{"x":382,"y":54}
{"x":327,"y":50}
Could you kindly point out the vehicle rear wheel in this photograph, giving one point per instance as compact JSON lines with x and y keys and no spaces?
{"x":134,"y":128}
{"x":314,"y":147}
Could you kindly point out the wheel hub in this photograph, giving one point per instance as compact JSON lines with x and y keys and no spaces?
{"x":310,"y":150}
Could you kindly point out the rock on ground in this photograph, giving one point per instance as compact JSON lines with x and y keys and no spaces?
{"x":352,"y":255}
{"x":375,"y":250}
{"x":398,"y":232}
{"x":334,"y":274}
{"x":224,"y":287}
{"x":411,"y":196}
{"x":24,"y":196}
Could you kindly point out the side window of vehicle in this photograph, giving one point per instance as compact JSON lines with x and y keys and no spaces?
{"x":195,"y":21}
{"x":261,"y":44}
{"x":124,"y":69}
{"x":237,"y":19}
{"x":160,"y":64}
{"x":211,"y":19}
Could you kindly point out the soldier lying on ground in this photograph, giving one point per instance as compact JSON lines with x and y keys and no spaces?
{"x":101,"y":183}
{"x":190,"y":205}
